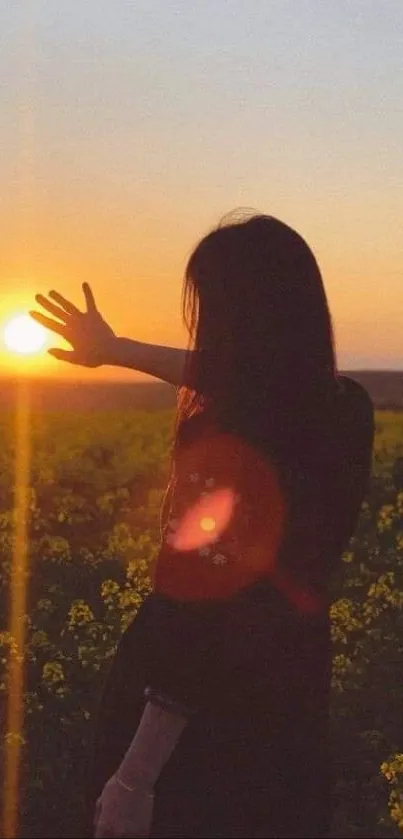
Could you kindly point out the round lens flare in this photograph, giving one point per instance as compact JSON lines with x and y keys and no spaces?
{"x":24,"y":336}
{"x":205,"y":521}
{"x":208,"y":524}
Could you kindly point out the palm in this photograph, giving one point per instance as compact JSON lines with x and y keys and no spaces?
{"x":87,"y":332}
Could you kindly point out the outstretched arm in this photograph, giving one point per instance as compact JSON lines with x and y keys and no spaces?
{"x":166,"y":363}
{"x":94,"y":343}
{"x":125,"y":807}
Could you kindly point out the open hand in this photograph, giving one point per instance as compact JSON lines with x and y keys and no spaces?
{"x":123,"y":813}
{"x":91,"y":338}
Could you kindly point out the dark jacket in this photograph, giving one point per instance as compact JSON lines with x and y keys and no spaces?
{"x":252,"y":657}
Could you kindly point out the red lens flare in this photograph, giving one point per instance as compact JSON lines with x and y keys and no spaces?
{"x":303,"y":599}
{"x":204,"y":522}
{"x":226,"y":524}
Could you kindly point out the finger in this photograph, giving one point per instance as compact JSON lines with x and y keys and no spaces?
{"x":50,"y":307}
{"x":53,"y":325}
{"x":89,"y":298}
{"x":69,"y":307}
{"x":64,"y":355}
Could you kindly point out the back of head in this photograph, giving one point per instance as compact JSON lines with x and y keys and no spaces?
{"x":258,"y":319}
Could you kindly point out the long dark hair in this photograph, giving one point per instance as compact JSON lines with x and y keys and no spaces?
{"x":261,"y":349}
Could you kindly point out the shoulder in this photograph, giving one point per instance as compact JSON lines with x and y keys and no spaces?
{"x":355,"y":405}
{"x":348,"y":443}
{"x":352,"y":390}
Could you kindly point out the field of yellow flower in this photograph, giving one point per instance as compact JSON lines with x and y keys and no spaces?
{"x":95,"y":488}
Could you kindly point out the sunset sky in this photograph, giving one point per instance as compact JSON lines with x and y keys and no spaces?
{"x":130,"y":128}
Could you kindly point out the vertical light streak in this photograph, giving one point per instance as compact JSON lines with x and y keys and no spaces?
{"x":18,"y":601}
{"x":25,"y":206}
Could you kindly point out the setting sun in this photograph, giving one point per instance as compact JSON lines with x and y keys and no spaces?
{"x":22,"y":335}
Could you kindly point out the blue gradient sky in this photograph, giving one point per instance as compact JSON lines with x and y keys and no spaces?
{"x":130,"y":128}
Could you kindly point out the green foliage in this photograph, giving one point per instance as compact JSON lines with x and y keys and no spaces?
{"x":96,"y":487}
{"x":367,"y":630}
{"x":97,"y":483}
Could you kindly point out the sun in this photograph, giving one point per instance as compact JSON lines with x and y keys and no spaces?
{"x":24,"y":336}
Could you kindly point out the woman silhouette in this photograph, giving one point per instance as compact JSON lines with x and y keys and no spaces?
{"x":214,"y":721}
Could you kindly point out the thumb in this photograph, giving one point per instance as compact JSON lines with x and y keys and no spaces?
{"x":64,"y":355}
